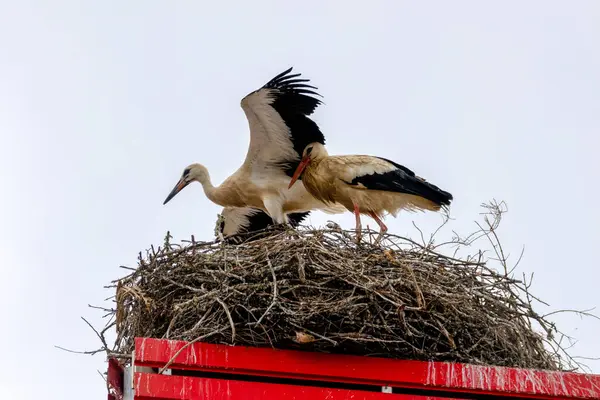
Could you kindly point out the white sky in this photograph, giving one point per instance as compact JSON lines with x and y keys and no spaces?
{"x":102,"y":104}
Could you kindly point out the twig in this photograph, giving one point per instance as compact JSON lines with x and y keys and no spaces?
{"x":228,"y":317}
{"x":91,"y":352}
{"x":274,"y":292}
{"x":188,"y":344}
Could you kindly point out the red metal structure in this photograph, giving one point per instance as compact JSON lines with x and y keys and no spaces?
{"x":217,"y":372}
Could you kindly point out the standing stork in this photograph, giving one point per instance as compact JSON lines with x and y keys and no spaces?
{"x":366,"y":185}
{"x":280,"y":129}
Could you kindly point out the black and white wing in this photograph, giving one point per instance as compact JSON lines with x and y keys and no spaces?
{"x":236,"y":221}
{"x":280,"y":128}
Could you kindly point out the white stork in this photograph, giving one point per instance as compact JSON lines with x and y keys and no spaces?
{"x":280,"y":128}
{"x":234,"y":222}
{"x":366,"y":185}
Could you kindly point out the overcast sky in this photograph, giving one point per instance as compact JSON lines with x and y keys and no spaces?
{"x":102,"y":105}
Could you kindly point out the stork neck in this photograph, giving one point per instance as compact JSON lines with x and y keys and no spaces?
{"x":315,"y":183}
{"x":313,"y":164}
{"x":209,"y":190}
{"x":218,"y":195}
{"x":309,"y":172}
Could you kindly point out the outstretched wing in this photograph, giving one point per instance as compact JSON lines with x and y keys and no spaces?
{"x":280,"y":128}
{"x":236,"y":221}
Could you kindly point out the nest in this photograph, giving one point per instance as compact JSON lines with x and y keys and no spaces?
{"x":317,"y":290}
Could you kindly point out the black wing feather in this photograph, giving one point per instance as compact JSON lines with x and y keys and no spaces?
{"x":262,"y":220}
{"x":258,"y":221}
{"x":297,"y":218}
{"x":294,"y":103}
{"x":403,"y":180}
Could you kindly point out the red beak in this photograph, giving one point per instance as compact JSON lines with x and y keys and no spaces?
{"x":299,"y":169}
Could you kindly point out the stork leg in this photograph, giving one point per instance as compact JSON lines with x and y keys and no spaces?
{"x":358,"y":224}
{"x":382,"y":228}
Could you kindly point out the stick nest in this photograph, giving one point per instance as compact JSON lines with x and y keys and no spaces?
{"x":317,"y":290}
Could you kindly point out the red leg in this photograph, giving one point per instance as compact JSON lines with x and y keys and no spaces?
{"x":358,"y":224}
{"x":382,"y":227}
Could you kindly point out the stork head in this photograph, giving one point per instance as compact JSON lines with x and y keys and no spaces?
{"x":193,"y":172}
{"x":312,"y":152}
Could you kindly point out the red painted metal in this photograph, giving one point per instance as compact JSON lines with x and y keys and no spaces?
{"x":449,"y":377}
{"x":114,"y":377}
{"x":155,"y":387}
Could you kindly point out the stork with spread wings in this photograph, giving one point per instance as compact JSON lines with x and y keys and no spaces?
{"x":280,"y":129}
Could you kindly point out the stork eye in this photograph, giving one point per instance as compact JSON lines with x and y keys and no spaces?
{"x":308,"y":151}
{"x":186,"y":172}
